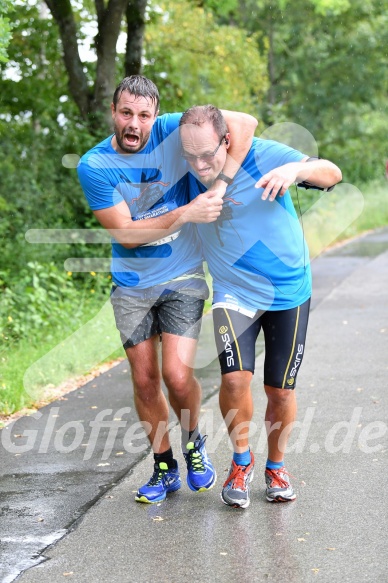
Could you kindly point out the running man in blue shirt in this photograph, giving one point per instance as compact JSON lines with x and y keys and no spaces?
{"x":136,"y":183}
{"x":259,"y":262}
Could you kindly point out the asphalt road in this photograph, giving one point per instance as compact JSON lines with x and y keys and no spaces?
{"x":68,"y":474}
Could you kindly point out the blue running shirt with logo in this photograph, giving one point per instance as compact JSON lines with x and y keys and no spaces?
{"x":256,"y":251}
{"x":152,"y":182}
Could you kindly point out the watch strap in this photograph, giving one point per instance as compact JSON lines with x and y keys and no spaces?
{"x":225,"y":178}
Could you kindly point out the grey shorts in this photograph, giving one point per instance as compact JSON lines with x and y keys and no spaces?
{"x":140,"y":318}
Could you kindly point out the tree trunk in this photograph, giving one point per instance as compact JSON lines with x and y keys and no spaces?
{"x":135,"y":15}
{"x":271,"y":64}
{"x":78,"y":85}
{"x":109,"y":24}
{"x":93,"y":103}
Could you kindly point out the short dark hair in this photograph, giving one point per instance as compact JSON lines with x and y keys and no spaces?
{"x":198,"y":115}
{"x":139,"y":86}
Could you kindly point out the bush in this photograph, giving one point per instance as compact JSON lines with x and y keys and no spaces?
{"x":52,"y":324}
{"x":41,"y":296}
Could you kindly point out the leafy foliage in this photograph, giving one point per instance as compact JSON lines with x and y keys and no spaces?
{"x":5,"y":28}
{"x":219,"y":65}
{"x":327,"y":63}
{"x":41,"y":296}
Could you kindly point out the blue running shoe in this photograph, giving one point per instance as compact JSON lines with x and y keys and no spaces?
{"x":201,"y":475}
{"x":162,"y":481}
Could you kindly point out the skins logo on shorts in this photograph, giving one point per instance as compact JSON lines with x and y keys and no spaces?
{"x":228,"y":348}
{"x":297,"y":362}
{"x":223,"y":329}
{"x":290,"y":382}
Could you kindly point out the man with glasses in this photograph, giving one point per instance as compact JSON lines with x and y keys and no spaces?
{"x":136,"y":183}
{"x":258,"y":259}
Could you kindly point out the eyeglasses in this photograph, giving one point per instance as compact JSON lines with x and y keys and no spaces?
{"x":205,"y":157}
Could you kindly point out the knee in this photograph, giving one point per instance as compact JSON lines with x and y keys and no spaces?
{"x":146,"y":385}
{"x":279,"y":396}
{"x":234,"y":385}
{"x":178,"y":381}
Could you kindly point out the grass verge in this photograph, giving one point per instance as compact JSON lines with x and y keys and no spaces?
{"x":32,"y":367}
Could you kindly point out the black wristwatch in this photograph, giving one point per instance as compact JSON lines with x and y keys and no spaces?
{"x":225,"y":178}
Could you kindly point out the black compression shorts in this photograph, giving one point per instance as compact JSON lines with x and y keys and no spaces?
{"x":284,"y":335}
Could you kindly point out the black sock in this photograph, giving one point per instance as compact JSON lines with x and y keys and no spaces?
{"x":167,"y":458}
{"x":188,"y":436}
{"x":195,"y":433}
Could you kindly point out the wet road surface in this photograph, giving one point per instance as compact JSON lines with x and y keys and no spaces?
{"x":70,"y":467}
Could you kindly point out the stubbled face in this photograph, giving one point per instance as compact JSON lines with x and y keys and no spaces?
{"x":203,"y":141}
{"x":133,"y":119}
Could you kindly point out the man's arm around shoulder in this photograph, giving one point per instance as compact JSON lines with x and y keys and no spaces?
{"x":129,"y":233}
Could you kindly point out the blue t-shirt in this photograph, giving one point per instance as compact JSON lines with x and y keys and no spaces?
{"x":256,"y":251}
{"x":151,"y":182}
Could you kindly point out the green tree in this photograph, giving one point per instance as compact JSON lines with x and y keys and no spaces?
{"x":194,"y":59}
{"x":326,"y":63}
{"x":90,"y":89}
{"x":5,"y":28}
{"x":38,"y":126}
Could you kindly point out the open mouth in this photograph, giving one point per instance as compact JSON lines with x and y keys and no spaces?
{"x":131,"y":139}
